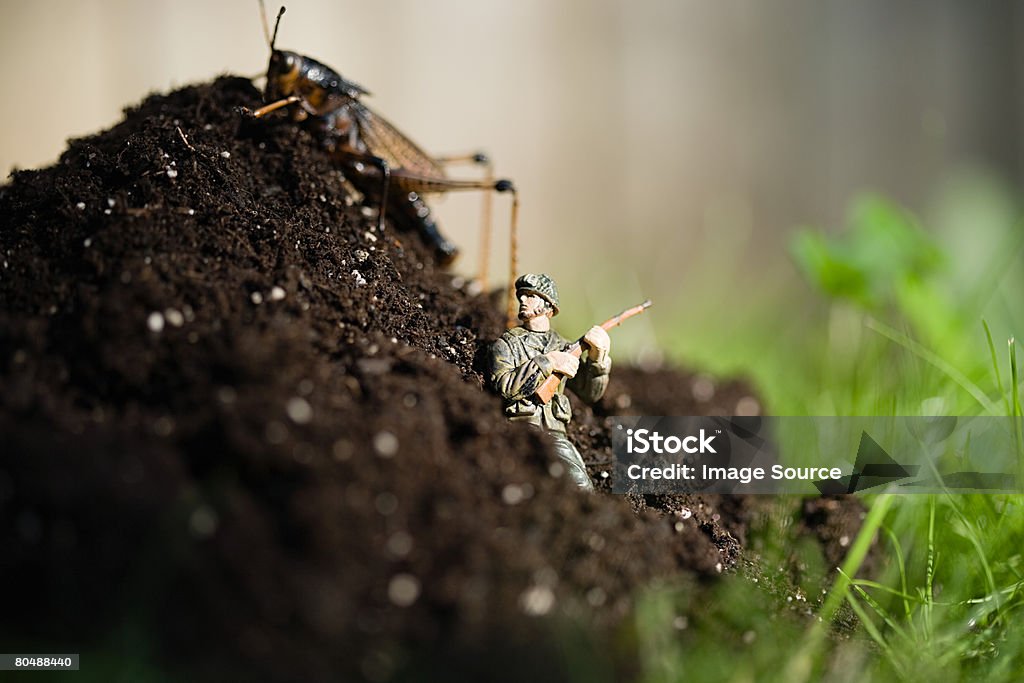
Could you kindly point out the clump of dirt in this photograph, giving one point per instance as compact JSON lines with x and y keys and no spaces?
{"x":834,"y":522}
{"x":237,"y":413}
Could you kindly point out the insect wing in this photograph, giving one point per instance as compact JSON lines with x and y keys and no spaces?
{"x":385,"y":141}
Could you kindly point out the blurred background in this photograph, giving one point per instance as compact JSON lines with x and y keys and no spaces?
{"x":712,"y":156}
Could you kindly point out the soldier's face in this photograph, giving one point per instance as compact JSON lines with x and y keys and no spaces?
{"x":531,"y":306}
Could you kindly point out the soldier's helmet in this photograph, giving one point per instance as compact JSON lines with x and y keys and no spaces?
{"x":541,"y":285}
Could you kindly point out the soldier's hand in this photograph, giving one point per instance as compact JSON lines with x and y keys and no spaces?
{"x":565,"y":363}
{"x":597,"y":342}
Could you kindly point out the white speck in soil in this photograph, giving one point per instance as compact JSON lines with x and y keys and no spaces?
{"x":163,"y":425}
{"x":360,"y":280}
{"x":111,"y":202}
{"x":277,"y":293}
{"x":87,"y":243}
{"x":299,"y":410}
{"x":680,"y":623}
{"x":512,"y":494}
{"x":225,"y":154}
{"x":537,"y":600}
{"x":80,"y":206}
{"x":386,"y":503}
{"x":399,"y":544}
{"x":370,"y":237}
{"x":361,"y":255}
{"x":385,"y":444}
{"x":276,"y":432}
{"x":595,"y":541}
{"x":202,"y":523}
{"x":403,"y":589}
{"x":256,"y":297}
{"x":685,"y":513}
{"x":341,"y":450}
{"x":155,"y":321}
{"x":703,"y":388}
{"x":844,"y":541}
{"x":174,"y":317}
{"x":171,"y":173}
{"x":748,"y":406}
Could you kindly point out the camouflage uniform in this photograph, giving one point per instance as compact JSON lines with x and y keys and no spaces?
{"x":519,"y":367}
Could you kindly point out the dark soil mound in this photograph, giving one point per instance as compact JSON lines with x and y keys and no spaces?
{"x":244,"y":423}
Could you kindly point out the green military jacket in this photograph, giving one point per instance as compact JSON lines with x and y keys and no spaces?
{"x":519,"y":367}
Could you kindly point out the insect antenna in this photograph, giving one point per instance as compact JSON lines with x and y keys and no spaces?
{"x":263,"y":20}
{"x":266,"y":27}
{"x":277,"y":24}
{"x":513,"y":251}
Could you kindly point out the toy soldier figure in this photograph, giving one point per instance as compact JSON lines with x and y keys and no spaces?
{"x":527,"y":355}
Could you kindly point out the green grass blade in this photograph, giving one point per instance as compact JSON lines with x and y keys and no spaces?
{"x":907,"y":597}
{"x":1017,"y":437}
{"x":880,"y":640}
{"x":995,"y":366}
{"x":902,"y":568}
{"x":930,"y":571}
{"x":881,"y":612}
{"x":937,"y":361}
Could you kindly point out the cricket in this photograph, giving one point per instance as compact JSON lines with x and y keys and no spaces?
{"x":373,"y":153}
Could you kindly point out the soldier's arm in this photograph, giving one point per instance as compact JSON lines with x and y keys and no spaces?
{"x":516,"y":382}
{"x":592,"y":379}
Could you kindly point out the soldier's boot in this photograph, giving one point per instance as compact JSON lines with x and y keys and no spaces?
{"x":568,"y":454}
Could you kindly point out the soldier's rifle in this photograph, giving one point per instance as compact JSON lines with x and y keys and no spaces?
{"x":550,"y":385}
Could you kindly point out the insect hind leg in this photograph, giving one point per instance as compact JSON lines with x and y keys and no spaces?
{"x":413,"y":206}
